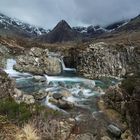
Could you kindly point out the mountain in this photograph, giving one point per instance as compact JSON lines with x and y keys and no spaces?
{"x":14,"y":27}
{"x":116,"y":25}
{"x":90,"y":31}
{"x":133,"y":24}
{"x":62,"y":32}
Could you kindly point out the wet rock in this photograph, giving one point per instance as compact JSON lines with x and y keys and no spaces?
{"x":40,"y":95}
{"x":114,"y":130}
{"x":57,"y":96}
{"x":62,"y":84}
{"x":65,"y":104}
{"x":62,"y":93}
{"x":81,"y":94}
{"x":39,"y":78}
{"x":51,"y":84}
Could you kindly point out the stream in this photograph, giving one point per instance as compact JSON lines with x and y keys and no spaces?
{"x":84,"y":92}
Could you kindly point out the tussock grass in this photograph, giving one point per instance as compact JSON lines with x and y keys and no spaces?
{"x":28,"y":133}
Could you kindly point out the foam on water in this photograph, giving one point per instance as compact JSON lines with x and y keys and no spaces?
{"x":85,"y":86}
{"x":13,"y":73}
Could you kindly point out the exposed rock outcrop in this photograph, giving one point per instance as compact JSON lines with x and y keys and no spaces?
{"x":102,"y":59}
{"x":37,"y":61}
{"x":6,"y":85}
{"x":126,"y":100}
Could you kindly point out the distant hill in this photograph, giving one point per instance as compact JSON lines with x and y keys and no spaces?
{"x":13,"y":27}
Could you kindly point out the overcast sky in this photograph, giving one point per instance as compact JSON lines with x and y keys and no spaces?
{"x":46,"y":13}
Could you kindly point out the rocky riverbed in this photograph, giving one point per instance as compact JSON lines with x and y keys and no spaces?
{"x":78,"y":99}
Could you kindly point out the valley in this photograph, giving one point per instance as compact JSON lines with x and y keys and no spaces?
{"x":69,"y":83}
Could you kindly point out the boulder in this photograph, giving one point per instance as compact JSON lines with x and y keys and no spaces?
{"x":114,"y":130}
{"x":28,"y":99}
{"x":37,"y":61}
{"x":38,"y":78}
{"x":57,"y":96}
{"x":65,"y":104}
{"x":52,"y":66}
{"x":40,"y":95}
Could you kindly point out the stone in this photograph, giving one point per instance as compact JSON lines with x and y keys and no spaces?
{"x":65,"y":104}
{"x":127,"y":135}
{"x":114,"y":130}
{"x":42,"y":94}
{"x":80,"y":94}
{"x":57,"y":96}
{"x":39,"y":78}
{"x":52,"y":66}
{"x":61,"y":93}
{"x":18,"y":93}
{"x":62,"y":84}
{"x":38,"y":62}
{"x":28,"y":99}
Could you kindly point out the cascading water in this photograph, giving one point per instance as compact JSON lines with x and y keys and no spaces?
{"x":65,"y":68}
{"x":82,"y":90}
{"x":13,"y":73}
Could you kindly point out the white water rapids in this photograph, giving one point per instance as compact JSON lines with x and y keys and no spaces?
{"x":78,"y":85}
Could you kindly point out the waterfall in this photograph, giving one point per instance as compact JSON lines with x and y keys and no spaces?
{"x":13,"y":73}
{"x":65,"y":68}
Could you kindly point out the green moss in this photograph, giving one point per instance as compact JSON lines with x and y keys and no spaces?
{"x":15,"y":112}
{"x":22,"y":113}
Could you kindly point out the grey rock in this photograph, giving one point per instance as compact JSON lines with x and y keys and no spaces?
{"x":39,"y":78}
{"x":114,"y":130}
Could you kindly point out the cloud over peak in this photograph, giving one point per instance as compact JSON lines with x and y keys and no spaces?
{"x":46,"y":13}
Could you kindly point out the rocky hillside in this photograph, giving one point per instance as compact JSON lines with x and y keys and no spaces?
{"x":125,"y":98}
{"x":133,"y":24}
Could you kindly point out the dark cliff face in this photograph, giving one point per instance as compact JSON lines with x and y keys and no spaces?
{"x":125,"y":98}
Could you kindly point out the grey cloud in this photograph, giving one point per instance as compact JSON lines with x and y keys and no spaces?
{"x":47,"y":13}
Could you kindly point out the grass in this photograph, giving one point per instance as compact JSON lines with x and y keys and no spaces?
{"x":28,"y":133}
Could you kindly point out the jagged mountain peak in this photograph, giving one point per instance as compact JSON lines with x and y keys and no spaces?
{"x":63,"y":25}
{"x":11,"y":26}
